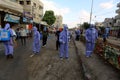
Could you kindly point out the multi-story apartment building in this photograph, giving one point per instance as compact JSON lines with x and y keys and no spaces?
{"x":99,"y":24}
{"x":108,"y":22}
{"x":117,"y":24}
{"x":58,"y":22}
{"x":32,"y":9}
{"x":10,"y":11}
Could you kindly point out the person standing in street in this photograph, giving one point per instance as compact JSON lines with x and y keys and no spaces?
{"x":23,"y":35}
{"x":17,"y":33}
{"x":9,"y":44}
{"x":77,"y":32}
{"x":107,"y":31}
{"x":63,"y":39}
{"x":45,"y":36}
{"x":91,"y":36}
{"x":104,"y":35}
{"x":36,"y":41}
{"x":118,"y":34}
{"x":57,"y":40}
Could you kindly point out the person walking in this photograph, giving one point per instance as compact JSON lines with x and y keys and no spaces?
{"x":18,"y":33}
{"x":45,"y":36}
{"x":57,"y":40}
{"x":104,"y":35}
{"x":23,"y":35}
{"x":36,"y":41}
{"x":91,"y":36}
{"x":107,"y":31}
{"x":118,"y":34}
{"x":9,"y":44}
{"x":63,"y":39}
{"x":77,"y":32}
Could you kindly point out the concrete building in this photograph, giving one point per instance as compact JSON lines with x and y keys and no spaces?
{"x":108,"y":22}
{"x":99,"y":24}
{"x":117,"y":17}
{"x":59,"y":21}
{"x":32,"y":9}
{"x":10,"y":11}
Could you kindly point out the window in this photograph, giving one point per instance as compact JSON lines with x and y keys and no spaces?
{"x":40,"y":7}
{"x":40,"y":16}
{"x":21,"y":2}
{"x":28,"y":2}
{"x":34,"y":15}
{"x":34,"y":4}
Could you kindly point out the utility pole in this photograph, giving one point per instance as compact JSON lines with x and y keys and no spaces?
{"x":91,"y":12}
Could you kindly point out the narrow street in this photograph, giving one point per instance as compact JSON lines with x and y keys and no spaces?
{"x":44,"y":66}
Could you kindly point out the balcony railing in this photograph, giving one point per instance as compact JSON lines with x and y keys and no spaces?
{"x":41,"y":4}
{"x":116,"y":24}
{"x":118,"y":5}
{"x":117,"y":17}
{"x":118,"y":11}
{"x":9,"y":5}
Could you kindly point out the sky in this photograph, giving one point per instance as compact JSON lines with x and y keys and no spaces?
{"x":78,"y":11}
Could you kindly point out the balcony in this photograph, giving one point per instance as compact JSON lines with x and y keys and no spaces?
{"x":118,"y":5}
{"x":41,"y":4}
{"x":118,"y":11}
{"x":117,"y":17}
{"x":9,"y":6}
{"x":116,"y":24}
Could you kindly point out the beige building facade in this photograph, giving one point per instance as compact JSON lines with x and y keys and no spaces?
{"x":32,"y":8}
{"x":10,"y":11}
{"x":108,"y":22}
{"x":117,"y":17}
{"x":99,"y":24}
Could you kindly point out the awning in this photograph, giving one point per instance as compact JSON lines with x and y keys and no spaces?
{"x":43,"y":23}
{"x":11,"y":18}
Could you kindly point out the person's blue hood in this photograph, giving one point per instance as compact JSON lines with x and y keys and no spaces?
{"x":7,"y":26}
{"x":65,"y":28}
{"x":34,"y":28}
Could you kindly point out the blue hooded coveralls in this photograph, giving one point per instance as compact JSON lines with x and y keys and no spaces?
{"x":91,"y":35}
{"x":36,"y":40}
{"x":9,"y":44}
{"x":63,"y":39}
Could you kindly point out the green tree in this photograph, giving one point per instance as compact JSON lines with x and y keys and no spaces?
{"x":49,"y":17}
{"x":85,"y":25}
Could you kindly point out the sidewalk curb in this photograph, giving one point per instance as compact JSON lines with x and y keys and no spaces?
{"x":83,"y":69}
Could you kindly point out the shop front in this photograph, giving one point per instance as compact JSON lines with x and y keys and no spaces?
{"x":10,"y":12}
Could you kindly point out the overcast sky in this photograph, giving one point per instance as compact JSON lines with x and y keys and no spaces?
{"x":78,"y":11}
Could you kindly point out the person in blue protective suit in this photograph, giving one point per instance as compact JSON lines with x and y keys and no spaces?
{"x":9,"y":44}
{"x":63,"y":39}
{"x":107,"y":31}
{"x":91,"y":36}
{"x":36,"y":41}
